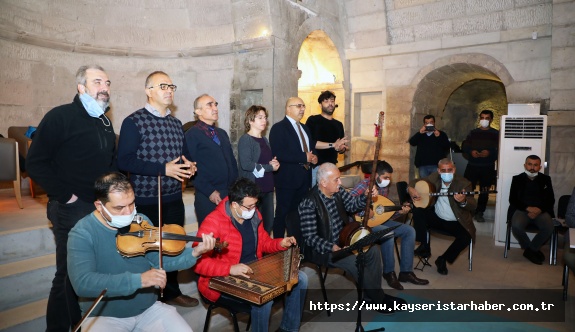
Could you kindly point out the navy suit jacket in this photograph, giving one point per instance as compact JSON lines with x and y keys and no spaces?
{"x":285,"y":144}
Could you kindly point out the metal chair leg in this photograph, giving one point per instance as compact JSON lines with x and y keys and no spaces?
{"x":470,"y":254}
{"x":507,"y":239}
{"x":322,"y":277}
{"x":565,"y":281}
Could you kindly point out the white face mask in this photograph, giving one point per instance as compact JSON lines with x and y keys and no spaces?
{"x":384,"y":183}
{"x":246,"y":215}
{"x":260,"y":173}
{"x":119,"y":221}
{"x":484,"y":123}
{"x":531,"y":175}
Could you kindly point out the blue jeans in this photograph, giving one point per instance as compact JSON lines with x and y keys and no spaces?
{"x":260,"y":314}
{"x":407,"y":235}
{"x":425,"y":171}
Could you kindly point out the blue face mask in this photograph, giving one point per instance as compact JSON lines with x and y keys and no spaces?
{"x":91,"y":105}
{"x":447,"y":177}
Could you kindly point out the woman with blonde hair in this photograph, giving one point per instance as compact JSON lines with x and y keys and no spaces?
{"x":256,"y":161}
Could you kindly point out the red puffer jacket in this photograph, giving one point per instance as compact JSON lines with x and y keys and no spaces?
{"x":214,"y":264}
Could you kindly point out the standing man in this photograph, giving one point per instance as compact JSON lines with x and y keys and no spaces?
{"x":152,"y":144}
{"x":294,"y":148}
{"x":481,"y":146}
{"x":327,"y":132}
{"x":432,"y":145}
{"x":74,"y":144}
{"x":131,"y":301}
{"x":451,"y":214}
{"x":210,"y":147}
{"x":531,"y":201}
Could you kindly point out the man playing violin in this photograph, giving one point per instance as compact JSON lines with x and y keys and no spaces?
{"x":450,"y":213}
{"x":405,"y":232}
{"x":237,"y":221}
{"x":323,"y":214}
{"x":131,"y":302}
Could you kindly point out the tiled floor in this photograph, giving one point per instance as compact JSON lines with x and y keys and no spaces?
{"x":490,"y":271}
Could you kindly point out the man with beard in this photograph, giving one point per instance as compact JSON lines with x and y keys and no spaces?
{"x":151,"y":144}
{"x":327,"y":132}
{"x":531,"y":202}
{"x":74,"y":144}
{"x":210,"y":147}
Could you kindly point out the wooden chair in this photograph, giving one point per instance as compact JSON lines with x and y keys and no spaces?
{"x":10,"y":166}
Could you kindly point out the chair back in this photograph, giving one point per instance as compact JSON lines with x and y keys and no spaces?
{"x":9,"y":167}
{"x":562,"y":206}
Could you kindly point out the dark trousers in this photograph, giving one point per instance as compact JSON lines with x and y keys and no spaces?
{"x":485,"y":176}
{"x":203,"y":206}
{"x":287,"y":200}
{"x":424,"y":219}
{"x":63,"y":311}
{"x":172,"y":213}
{"x":266,"y":207}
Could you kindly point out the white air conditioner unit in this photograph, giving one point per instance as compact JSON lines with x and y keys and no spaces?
{"x":520,"y":136}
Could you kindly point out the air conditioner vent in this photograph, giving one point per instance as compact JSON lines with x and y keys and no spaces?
{"x":524,"y":127}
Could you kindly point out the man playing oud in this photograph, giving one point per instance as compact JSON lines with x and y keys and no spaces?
{"x":450,"y":213}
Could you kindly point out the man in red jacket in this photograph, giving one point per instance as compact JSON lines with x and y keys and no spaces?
{"x":237,"y":222}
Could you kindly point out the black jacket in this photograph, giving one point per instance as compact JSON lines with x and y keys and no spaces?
{"x":70,"y":151}
{"x":545,"y":188}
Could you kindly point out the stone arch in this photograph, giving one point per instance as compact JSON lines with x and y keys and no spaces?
{"x":436,"y":83}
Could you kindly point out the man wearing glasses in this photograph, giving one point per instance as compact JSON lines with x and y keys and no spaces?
{"x":294,"y":147}
{"x":451,"y":214}
{"x":152,"y":144}
{"x":210,"y":147}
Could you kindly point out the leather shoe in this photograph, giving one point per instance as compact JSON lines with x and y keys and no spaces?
{"x":390,"y":302}
{"x":183,"y":301}
{"x":441,"y":265}
{"x":541,"y":255}
{"x":392,"y":281}
{"x":533,"y":257}
{"x":410,"y":277}
{"x":423,"y":251}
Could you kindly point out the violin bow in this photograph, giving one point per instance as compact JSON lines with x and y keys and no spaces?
{"x":373,"y":170}
{"x":98,"y":299}
{"x":160,"y":263}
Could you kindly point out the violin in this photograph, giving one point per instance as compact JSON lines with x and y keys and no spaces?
{"x":143,"y":237}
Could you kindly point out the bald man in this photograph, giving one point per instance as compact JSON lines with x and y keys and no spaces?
{"x":294,"y":147}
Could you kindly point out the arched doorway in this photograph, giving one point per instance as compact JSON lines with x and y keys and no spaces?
{"x":321,"y":69}
{"x":455,"y":94}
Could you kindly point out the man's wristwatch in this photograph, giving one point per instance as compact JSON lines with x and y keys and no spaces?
{"x":330,"y":145}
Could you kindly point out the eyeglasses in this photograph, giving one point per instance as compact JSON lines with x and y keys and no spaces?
{"x":261,"y":117}
{"x":253,"y":206}
{"x":164,"y":86}
{"x":212,"y":104}
{"x":298,"y":105}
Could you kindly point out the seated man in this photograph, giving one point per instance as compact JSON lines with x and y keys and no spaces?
{"x":451,"y":214}
{"x":569,"y":253}
{"x":531,"y":201}
{"x":237,"y":221}
{"x":322,"y":214}
{"x":94,"y":264}
{"x":405,"y":232}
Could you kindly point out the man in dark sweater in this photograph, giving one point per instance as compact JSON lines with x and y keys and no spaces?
{"x":531,"y":201}
{"x":432,"y":146}
{"x":73,"y":146}
{"x":327,"y":132}
{"x":210,"y":147}
{"x":481,"y":147}
{"x":152,"y":144}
